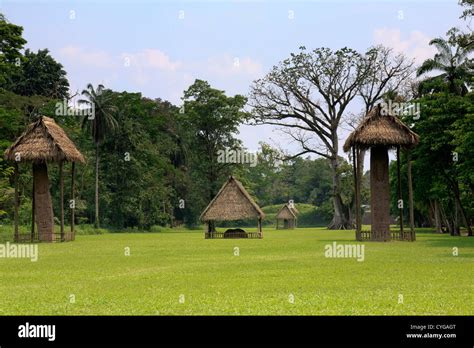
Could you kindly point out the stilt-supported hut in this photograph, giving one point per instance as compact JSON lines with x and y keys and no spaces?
{"x":380,"y":131}
{"x":231,"y":203}
{"x":44,"y":142}
{"x":286,"y":217}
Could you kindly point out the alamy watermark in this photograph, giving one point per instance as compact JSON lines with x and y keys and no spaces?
{"x":62,"y":108}
{"x":25,"y":251}
{"x":335,"y":250}
{"x":37,"y":331}
{"x":401,"y":109}
{"x":237,"y":156}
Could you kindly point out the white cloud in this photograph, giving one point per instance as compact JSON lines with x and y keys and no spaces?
{"x":155,"y":73}
{"x":82,"y":56}
{"x":414,"y":45}
{"x":145,"y":59}
{"x":226,"y":65}
{"x":151,"y":58}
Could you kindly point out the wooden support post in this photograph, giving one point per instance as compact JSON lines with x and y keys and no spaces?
{"x":73,"y":200}
{"x":356,"y":194}
{"x":259,"y":224}
{"x":33,"y":207}
{"x":400,"y":198}
{"x":410,"y":198}
{"x":61,"y":197}
{"x":17,"y":201}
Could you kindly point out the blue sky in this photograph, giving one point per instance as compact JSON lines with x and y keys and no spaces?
{"x":160,"y":47}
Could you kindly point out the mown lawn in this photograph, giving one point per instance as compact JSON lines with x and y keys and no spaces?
{"x":166,"y":268}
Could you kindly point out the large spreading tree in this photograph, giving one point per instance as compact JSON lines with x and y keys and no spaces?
{"x":307,"y":94}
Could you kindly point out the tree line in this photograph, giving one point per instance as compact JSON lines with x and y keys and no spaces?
{"x":154,"y":163}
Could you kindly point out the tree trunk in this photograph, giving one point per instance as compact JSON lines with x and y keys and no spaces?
{"x":349,"y":212}
{"x":457,"y":194}
{"x":96,"y":222}
{"x":456,"y":231}
{"x":340,"y":219}
{"x":445,"y":218}
{"x":437,"y":217}
{"x":379,"y":194}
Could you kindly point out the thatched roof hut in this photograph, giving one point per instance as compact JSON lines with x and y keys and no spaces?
{"x":288,"y":215}
{"x":380,"y":131}
{"x":232,"y":202}
{"x":43,"y":142}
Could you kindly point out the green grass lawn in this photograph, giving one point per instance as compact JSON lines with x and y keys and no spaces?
{"x":164,"y":266}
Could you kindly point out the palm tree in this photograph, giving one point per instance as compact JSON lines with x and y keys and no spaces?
{"x":454,"y":62}
{"x":101,"y":124}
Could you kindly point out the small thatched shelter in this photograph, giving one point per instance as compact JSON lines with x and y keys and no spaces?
{"x":232,"y":202}
{"x":288,"y":216}
{"x":380,"y":131}
{"x":44,"y":141}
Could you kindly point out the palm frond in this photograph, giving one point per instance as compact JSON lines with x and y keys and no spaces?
{"x":104,"y":121}
{"x":463,"y":53}
{"x":428,"y":66}
{"x":442,"y":46}
{"x":84,"y":102}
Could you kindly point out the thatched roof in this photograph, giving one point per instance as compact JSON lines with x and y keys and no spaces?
{"x":287,"y":212}
{"x":380,"y":129}
{"x":43,"y":140}
{"x":232,"y":202}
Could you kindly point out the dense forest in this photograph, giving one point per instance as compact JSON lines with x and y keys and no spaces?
{"x":150,"y":162}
